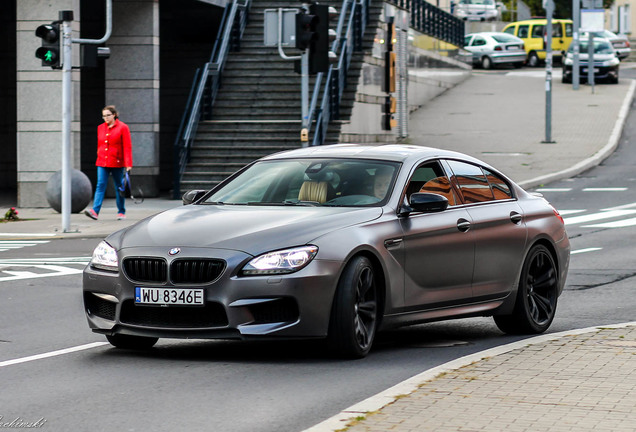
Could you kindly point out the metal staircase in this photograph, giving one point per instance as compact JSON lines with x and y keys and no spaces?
{"x":257,"y":108}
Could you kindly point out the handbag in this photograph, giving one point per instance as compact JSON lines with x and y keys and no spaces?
{"x":126,"y":190}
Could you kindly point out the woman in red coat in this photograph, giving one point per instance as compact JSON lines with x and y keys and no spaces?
{"x":114,"y":155}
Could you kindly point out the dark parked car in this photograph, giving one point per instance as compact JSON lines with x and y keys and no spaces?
{"x":606,"y":63}
{"x":335,"y":242}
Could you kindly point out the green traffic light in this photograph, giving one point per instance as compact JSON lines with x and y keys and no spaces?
{"x":48,"y":56}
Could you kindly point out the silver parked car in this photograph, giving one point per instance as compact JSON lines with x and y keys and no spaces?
{"x":495,"y":48}
{"x":620,"y":43}
{"x":335,"y":242}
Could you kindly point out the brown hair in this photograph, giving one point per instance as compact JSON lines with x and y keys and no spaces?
{"x":112,"y":109}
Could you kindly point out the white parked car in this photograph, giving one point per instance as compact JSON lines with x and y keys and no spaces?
{"x":476,"y":10}
{"x":494,"y":48}
{"x":620,"y":43}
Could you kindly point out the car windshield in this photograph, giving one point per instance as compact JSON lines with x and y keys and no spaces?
{"x":600,"y":47}
{"x":310,"y":182}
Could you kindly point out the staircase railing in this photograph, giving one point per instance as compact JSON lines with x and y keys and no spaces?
{"x":425,"y":18}
{"x":205,"y":86}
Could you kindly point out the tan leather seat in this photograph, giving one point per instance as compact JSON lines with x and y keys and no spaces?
{"x":441,"y":186}
{"x":313,"y":191}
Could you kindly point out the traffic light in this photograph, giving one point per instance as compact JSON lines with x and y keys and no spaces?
{"x":319,"y":47}
{"x":305,"y":29}
{"x":388,"y":109}
{"x":50,"y":52}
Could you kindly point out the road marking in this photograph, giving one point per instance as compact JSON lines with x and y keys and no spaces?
{"x":579,"y":251}
{"x":27,"y":235}
{"x":621,"y":207}
{"x":46,"y":261}
{"x":617,"y":224}
{"x":52,"y":354}
{"x":6,"y":245}
{"x":568,"y":212}
{"x":53,"y":270}
{"x":614,"y":189}
{"x":553,"y":189}
{"x":597,"y":216}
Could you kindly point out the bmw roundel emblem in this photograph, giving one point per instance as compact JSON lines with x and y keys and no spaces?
{"x":174,"y":251}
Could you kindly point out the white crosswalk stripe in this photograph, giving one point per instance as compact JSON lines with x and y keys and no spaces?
{"x":597,"y":216}
{"x":6,"y":245}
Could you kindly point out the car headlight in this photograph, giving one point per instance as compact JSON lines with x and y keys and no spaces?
{"x":280,"y":262}
{"x":104,"y":257}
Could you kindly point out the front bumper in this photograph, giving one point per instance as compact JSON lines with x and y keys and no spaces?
{"x":600,"y":72}
{"x":296,"y":305}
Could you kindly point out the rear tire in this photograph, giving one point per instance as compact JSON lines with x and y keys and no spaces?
{"x":354,"y":314}
{"x":536,"y":301}
{"x":131,"y":342}
{"x":486,"y":62}
{"x":533,"y":59}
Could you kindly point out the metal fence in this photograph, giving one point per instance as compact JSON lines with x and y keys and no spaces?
{"x":432,"y":21}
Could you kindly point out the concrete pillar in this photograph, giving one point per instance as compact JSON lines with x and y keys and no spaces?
{"x":132,"y":83}
{"x":39,"y":103}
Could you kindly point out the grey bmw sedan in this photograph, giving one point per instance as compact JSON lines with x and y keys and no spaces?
{"x":336,"y":242}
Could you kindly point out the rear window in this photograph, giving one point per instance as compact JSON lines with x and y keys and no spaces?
{"x":504,"y":38}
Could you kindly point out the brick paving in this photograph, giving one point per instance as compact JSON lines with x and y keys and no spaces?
{"x":585,"y":382}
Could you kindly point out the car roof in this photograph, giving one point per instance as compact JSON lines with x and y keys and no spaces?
{"x":540,"y":21}
{"x":387,"y":152}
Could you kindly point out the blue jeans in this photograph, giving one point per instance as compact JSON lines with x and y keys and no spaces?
{"x":100,"y":189}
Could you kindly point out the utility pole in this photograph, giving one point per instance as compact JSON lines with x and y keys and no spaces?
{"x":549,"y":8}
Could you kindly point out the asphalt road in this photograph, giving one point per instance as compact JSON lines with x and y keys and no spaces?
{"x":231,"y":386}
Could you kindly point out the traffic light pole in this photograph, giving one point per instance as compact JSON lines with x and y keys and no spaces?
{"x":67,"y":58}
{"x":549,"y":6}
{"x":304,"y":96}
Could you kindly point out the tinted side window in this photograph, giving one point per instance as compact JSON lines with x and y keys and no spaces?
{"x":568,"y":30}
{"x":523,"y":32}
{"x":431,"y":178}
{"x":537,"y":31}
{"x":479,"y":41}
{"x":557,"y":30}
{"x":500,"y":188}
{"x":472,"y":182}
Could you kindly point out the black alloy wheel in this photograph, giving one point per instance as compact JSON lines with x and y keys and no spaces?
{"x":131,"y":342}
{"x":354,"y":315}
{"x":537,"y":294}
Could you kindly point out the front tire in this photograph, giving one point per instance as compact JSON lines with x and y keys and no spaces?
{"x":536,"y":301}
{"x":131,"y":342}
{"x":354,"y":314}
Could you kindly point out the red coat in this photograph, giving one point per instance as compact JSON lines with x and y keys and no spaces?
{"x":114,"y":147}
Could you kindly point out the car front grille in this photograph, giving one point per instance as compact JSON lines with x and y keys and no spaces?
{"x":99,"y":307}
{"x":146,"y":269}
{"x":196,"y":271}
{"x":182,"y":271}
{"x":210,"y":315}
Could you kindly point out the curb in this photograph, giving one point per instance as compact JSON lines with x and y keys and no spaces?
{"x":596,"y":158}
{"x":380,"y":400}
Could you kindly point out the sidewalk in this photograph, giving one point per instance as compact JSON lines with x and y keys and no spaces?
{"x":565,"y":382}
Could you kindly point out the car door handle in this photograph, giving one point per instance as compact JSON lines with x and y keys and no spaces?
{"x":463,"y":225}
{"x":392,"y":242}
{"x":515,"y":218}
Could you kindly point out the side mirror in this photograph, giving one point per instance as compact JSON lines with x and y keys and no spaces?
{"x":428,"y":202}
{"x":192,"y":196}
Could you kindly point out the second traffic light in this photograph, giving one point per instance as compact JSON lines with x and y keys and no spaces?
{"x":305,"y":30}
{"x":313,"y":34}
{"x":50,"y":52}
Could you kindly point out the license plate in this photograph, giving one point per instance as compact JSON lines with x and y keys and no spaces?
{"x":513,"y":47}
{"x":169,"y":296}
{"x":595,"y":70}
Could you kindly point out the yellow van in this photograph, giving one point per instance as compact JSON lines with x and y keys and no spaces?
{"x":533,"y":32}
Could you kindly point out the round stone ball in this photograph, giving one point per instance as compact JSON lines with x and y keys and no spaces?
{"x":81,"y":191}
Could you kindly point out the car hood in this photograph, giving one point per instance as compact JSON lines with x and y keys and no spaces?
{"x":250,"y":229}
